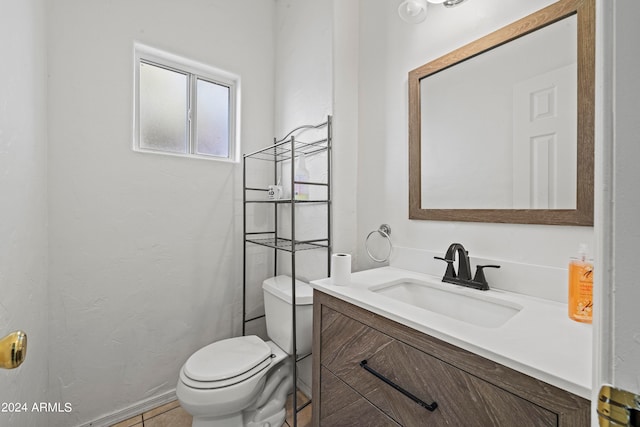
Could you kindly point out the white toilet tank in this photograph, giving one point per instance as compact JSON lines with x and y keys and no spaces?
{"x":277,"y":309}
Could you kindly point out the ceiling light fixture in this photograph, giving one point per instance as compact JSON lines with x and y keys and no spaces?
{"x":451,"y":3}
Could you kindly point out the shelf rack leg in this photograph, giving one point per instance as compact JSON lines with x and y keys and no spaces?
{"x":329,"y":195}
{"x":294,"y":356}
{"x":275,"y":211}
{"x":244,"y":245}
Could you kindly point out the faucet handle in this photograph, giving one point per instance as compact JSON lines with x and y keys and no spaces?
{"x":450,"y":272}
{"x":479,"y":276}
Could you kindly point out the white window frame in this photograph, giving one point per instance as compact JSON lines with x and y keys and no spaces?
{"x":194,"y":70}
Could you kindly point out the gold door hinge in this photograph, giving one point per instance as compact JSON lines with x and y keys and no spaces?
{"x":618,"y":408}
{"x":13,"y":350}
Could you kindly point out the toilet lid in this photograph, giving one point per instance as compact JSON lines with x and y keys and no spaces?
{"x":227,"y":359}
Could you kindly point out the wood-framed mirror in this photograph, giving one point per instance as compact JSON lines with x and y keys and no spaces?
{"x":550,"y":177}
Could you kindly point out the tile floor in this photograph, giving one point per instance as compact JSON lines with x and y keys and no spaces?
{"x":169,"y":415}
{"x":304,"y":416}
{"x":172,"y":415}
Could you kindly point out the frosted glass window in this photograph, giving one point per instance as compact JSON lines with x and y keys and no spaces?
{"x":184,"y":108}
{"x":212,"y":136}
{"x":163,"y":109}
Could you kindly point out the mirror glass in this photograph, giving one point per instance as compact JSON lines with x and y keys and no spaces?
{"x":502,"y":129}
{"x":498,"y":131}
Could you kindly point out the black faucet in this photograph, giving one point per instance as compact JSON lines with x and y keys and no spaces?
{"x":463,"y":275}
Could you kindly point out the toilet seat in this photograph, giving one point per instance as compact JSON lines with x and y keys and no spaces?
{"x":227,"y":362}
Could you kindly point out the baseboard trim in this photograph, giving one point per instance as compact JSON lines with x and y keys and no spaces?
{"x":133,"y":410}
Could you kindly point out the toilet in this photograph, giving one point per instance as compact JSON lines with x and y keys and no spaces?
{"x":244,"y":381}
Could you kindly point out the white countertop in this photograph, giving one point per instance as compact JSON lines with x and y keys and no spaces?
{"x":540,"y":340}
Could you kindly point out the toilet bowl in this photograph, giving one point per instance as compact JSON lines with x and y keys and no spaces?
{"x":244,"y":381}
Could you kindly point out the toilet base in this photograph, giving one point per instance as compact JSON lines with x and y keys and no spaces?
{"x":232,"y":420}
{"x":235,"y":420}
{"x":273,"y":421}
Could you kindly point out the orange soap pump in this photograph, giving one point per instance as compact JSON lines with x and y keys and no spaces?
{"x":581,"y":287}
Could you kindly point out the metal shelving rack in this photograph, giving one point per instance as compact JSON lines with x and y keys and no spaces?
{"x":287,"y":149}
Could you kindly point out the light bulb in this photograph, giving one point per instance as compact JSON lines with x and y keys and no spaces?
{"x":413,"y":8}
{"x":413,"y":11}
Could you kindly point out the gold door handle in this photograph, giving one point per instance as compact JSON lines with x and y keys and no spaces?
{"x":13,"y":350}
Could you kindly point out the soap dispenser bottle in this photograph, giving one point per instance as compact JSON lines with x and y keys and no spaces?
{"x":301,"y":191}
{"x":581,"y":287}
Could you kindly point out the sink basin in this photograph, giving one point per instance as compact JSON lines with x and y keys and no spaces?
{"x":467,"y":305}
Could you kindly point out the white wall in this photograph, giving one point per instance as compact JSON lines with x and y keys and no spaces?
{"x":303,"y":96}
{"x":23,"y":195}
{"x":346,"y":45}
{"x":317,"y":75}
{"x":303,"y":63}
{"x":146,"y":254}
{"x":389,"y":48}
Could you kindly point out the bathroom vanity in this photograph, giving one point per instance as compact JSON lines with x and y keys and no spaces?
{"x":379,"y":361}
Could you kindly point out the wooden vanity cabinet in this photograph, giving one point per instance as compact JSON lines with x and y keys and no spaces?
{"x":467,"y":389}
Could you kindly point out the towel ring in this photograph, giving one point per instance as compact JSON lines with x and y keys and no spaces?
{"x":384,"y":230}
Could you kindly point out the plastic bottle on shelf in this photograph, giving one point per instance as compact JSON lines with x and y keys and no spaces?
{"x":301,"y":191}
